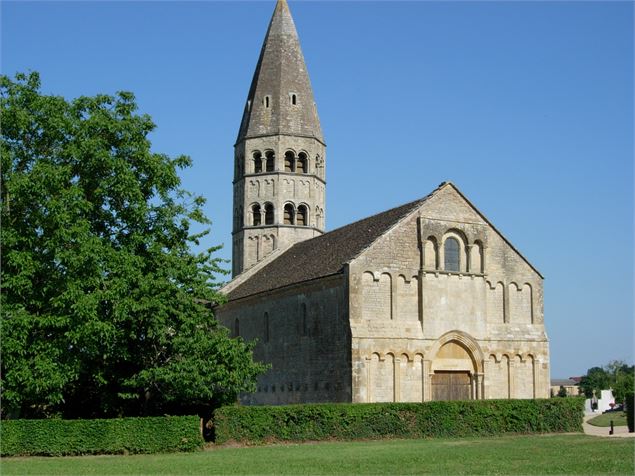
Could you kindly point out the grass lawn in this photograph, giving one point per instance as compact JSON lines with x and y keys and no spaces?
{"x":536,"y":454}
{"x":619,"y":419}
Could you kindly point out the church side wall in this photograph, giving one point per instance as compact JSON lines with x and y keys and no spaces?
{"x":405,"y":306}
{"x":303,"y":333}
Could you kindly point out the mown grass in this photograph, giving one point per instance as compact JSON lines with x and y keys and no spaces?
{"x":619,"y":419}
{"x":536,"y":454}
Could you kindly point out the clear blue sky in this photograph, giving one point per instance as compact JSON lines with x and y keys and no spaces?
{"x":526,"y":106}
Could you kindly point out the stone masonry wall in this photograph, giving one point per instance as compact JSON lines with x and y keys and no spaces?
{"x":303,"y":333}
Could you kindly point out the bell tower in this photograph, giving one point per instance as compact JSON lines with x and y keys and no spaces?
{"x":279,"y":155}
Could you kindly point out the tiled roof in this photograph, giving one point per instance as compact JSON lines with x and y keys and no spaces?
{"x":323,"y":255}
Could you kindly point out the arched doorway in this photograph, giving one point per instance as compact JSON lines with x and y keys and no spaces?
{"x":456,"y":368}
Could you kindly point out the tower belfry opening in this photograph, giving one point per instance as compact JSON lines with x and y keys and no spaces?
{"x":282,"y":135}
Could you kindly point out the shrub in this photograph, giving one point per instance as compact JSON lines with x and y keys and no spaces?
{"x":401,"y":420}
{"x":630,"y":411}
{"x":111,"y":436}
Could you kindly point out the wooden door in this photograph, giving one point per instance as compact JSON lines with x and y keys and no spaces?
{"x":451,"y":386}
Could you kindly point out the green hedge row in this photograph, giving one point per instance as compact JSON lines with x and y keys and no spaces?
{"x":397,"y":420}
{"x":108,"y":436}
{"x":630,"y":411}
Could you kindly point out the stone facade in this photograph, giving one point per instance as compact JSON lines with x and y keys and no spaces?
{"x":393,"y":323}
{"x":427,"y":301}
{"x":411,"y":318}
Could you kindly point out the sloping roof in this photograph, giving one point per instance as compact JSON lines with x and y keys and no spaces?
{"x":323,"y":255}
{"x":327,"y":254}
{"x":280,"y":72}
{"x":565,"y":382}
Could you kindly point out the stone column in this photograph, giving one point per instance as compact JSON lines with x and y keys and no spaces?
{"x":427,"y":380}
{"x":512,"y":377}
{"x":397,"y":379}
{"x":479,"y":385}
{"x":487,"y":370}
{"x":369,"y":382}
{"x":505,"y":302}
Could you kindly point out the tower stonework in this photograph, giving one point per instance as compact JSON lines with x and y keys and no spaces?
{"x":279,"y":155}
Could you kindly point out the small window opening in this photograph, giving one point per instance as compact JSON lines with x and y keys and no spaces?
{"x":266,"y":327}
{"x":255,"y":211}
{"x":293,"y":99}
{"x":301,"y":218}
{"x":303,"y":329}
{"x":268,"y":214}
{"x":289,"y":162}
{"x":303,"y":163}
{"x":267,"y":102}
{"x":288,"y":214}
{"x":257,"y":162}
{"x":236,"y":328}
{"x":271,"y":157}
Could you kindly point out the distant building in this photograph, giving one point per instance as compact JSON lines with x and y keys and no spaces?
{"x":425,"y":301}
{"x":569,"y":384}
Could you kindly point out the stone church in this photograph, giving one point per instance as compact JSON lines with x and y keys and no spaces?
{"x":426,"y":301}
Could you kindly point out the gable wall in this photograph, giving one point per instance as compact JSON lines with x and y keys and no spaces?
{"x":401,"y":306}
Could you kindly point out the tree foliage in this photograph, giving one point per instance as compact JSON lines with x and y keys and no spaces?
{"x":616,"y":375}
{"x":105,"y":308}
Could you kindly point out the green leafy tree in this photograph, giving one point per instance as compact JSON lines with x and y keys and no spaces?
{"x":616,"y":375}
{"x":562,"y":392}
{"x":622,"y":379}
{"x":595,"y":380}
{"x":105,"y":309}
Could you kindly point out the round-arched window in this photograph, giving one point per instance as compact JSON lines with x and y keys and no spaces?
{"x":451,"y":253}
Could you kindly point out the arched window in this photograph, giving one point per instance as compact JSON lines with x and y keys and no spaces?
{"x":271,"y":158}
{"x":294,"y":99}
{"x":288,"y":214}
{"x":266,"y":324}
{"x":268,"y":214}
{"x":301,"y":218}
{"x":303,"y":163}
{"x":236,"y":328}
{"x":303,"y":328}
{"x":266,"y":101}
{"x":256,"y":216}
{"x":451,"y":251}
{"x":289,"y":162}
{"x":257,"y":162}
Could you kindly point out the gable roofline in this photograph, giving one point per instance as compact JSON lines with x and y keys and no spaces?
{"x":338,"y":248}
{"x":450,"y":184}
{"x":326,"y":255}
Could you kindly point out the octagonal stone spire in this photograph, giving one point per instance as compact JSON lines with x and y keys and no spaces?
{"x":280,"y":100}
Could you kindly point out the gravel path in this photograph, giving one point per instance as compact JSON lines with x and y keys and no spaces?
{"x":620,"y":431}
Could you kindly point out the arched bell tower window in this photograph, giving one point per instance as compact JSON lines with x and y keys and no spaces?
{"x":451,"y":252}
{"x":256,"y":216}
{"x":303,"y":163}
{"x":271,"y":159}
{"x":288,"y":214}
{"x":301,"y":218}
{"x":289,"y":162}
{"x":257,"y":162}
{"x":268,"y":214}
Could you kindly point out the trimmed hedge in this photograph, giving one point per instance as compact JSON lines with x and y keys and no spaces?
{"x":396,"y":420}
{"x":630,"y":411}
{"x":108,"y":436}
